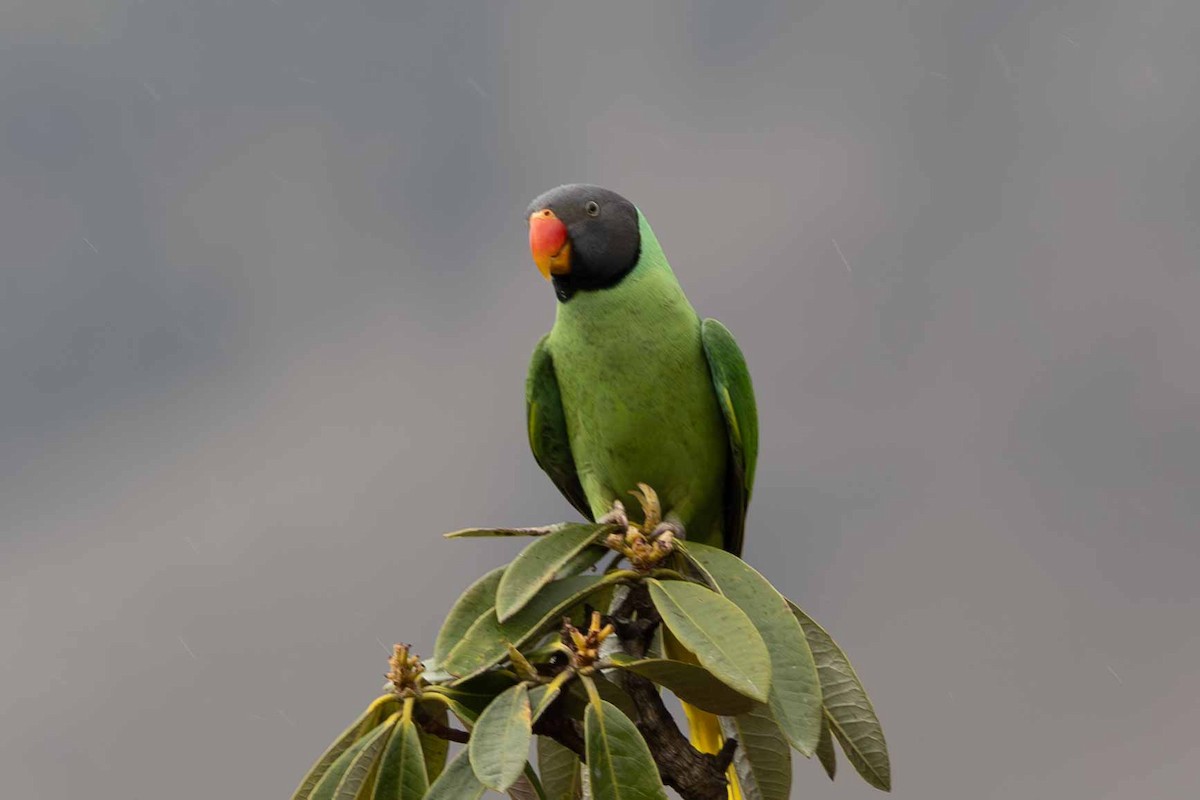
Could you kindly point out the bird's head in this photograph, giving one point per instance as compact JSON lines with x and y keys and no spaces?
{"x":583,"y":237}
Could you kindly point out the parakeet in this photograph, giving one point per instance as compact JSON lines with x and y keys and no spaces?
{"x":630,"y":385}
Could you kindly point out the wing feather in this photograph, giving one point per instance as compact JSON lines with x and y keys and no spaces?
{"x":735,"y":395}
{"x":547,"y":425}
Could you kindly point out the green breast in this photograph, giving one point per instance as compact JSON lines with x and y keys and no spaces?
{"x":638,"y":396}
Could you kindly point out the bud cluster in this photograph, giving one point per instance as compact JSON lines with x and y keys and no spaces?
{"x":405,"y":673}
{"x":585,"y":647}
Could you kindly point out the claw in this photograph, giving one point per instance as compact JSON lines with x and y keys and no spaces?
{"x":644,"y":551}
{"x":670,"y":526}
{"x":651,"y":509}
{"x":616,"y":516}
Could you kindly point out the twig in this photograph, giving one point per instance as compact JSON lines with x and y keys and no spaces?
{"x":434,"y":727}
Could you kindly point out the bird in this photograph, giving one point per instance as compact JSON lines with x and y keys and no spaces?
{"x":630,"y":386}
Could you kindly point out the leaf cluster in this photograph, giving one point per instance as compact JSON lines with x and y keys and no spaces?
{"x":525,"y":660}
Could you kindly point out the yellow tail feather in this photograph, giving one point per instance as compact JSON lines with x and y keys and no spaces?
{"x":704,"y":729}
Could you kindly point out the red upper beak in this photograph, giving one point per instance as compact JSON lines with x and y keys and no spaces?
{"x":548,"y":243}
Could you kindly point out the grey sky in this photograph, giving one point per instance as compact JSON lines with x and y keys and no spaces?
{"x":266,"y":307}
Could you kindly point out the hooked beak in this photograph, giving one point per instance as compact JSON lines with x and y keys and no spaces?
{"x":549,"y":244}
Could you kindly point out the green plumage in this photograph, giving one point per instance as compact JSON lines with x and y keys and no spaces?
{"x":630,"y":386}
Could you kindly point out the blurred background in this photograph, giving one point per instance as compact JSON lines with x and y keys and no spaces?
{"x":266,"y":307}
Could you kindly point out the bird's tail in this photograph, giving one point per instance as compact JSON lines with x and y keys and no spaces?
{"x":704,"y":729}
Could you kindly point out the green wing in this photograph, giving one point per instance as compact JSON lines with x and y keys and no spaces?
{"x":548,"y":428}
{"x":735,"y":394}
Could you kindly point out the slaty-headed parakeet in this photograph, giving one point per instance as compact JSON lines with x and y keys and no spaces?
{"x":631,"y":386}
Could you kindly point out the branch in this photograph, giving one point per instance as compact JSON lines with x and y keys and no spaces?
{"x":562,"y":729}
{"x":437,"y":728}
{"x":695,"y":775}
{"x":553,"y":723}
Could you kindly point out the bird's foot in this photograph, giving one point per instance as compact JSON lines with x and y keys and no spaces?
{"x":668,"y":530}
{"x":616,"y":516}
{"x":645,"y":545}
{"x":651,"y":508}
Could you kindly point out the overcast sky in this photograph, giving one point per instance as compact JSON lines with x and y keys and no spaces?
{"x":266,"y":307}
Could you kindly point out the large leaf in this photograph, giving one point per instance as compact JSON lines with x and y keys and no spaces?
{"x":500,"y":739}
{"x":849,"y":710}
{"x":486,"y":642}
{"x":795,"y":697}
{"x":465,"y":714}
{"x":359,"y":779}
{"x":543,"y":696}
{"x":763,"y":760}
{"x":467,"y":700}
{"x":720,"y":634}
{"x":326,"y":788}
{"x":381,"y":708}
{"x":476,"y":602}
{"x":478,"y":533}
{"x":457,"y":781}
{"x":560,"y":770}
{"x":538,"y":563}
{"x":690,"y":683}
{"x":434,"y":748}
{"x":619,"y":762}
{"x":576,"y":699}
{"x":584,"y":560}
{"x":825,"y":751}
{"x":402,"y":772}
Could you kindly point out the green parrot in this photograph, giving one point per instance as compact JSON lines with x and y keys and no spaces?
{"x":631,"y":386}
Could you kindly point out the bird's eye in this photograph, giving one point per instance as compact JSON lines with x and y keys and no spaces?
{"x":592,"y":208}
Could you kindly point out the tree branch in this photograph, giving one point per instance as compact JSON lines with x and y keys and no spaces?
{"x":695,"y":775}
{"x":562,"y":729}
{"x":436,"y":727}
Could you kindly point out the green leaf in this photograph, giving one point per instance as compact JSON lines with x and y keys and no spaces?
{"x":718,"y":632}
{"x":402,"y":773}
{"x":543,"y":696}
{"x":619,"y":762}
{"x":577,"y":697}
{"x":582,"y":561}
{"x":825,"y":751}
{"x":457,"y":781}
{"x":763,"y":760}
{"x":381,"y":708}
{"x":478,"y":533}
{"x":326,"y":788}
{"x":453,"y":703}
{"x":849,"y":710}
{"x":468,"y":699}
{"x":434,"y":748}
{"x":486,"y":642}
{"x":433,"y":673}
{"x":690,"y":683}
{"x":500,"y":739}
{"x":538,"y":563}
{"x":476,"y":602}
{"x":360,"y":774}
{"x":795,"y":696}
{"x":562,"y":778}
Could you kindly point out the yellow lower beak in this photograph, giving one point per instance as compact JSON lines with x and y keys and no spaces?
{"x":557,"y":264}
{"x":549,"y":243}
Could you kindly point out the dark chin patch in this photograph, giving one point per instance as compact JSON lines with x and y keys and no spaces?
{"x":567,"y":286}
{"x":563,"y":289}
